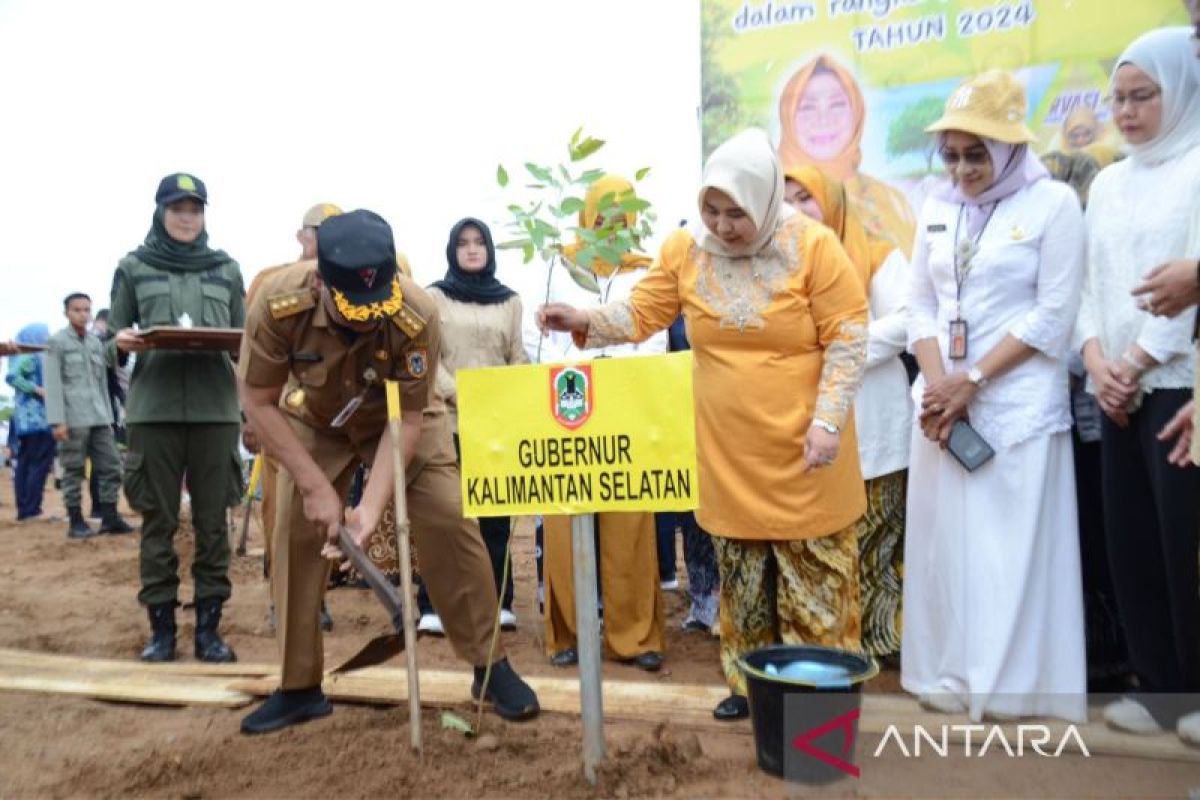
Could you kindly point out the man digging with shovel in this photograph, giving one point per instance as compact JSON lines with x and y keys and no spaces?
{"x":320,"y":340}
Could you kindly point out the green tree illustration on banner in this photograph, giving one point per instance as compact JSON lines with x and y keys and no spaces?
{"x":907,"y":133}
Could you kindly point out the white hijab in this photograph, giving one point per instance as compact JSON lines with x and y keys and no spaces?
{"x":745,"y":168}
{"x":1167,"y":56}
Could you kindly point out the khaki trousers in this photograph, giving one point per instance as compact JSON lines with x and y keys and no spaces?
{"x":454,"y":561}
{"x":628,"y":566}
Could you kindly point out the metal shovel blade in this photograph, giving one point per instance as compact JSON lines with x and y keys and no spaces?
{"x":381,"y":648}
{"x":377,"y":651}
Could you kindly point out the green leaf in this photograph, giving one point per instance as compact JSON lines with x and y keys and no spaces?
{"x":586,"y":235}
{"x":528,"y":248}
{"x":501,"y":175}
{"x":453,"y":722}
{"x":566,"y":175}
{"x":541,"y":173}
{"x":572,"y":205}
{"x":546,"y":229}
{"x":535,"y":186}
{"x":641,"y":173}
{"x":634,"y":204}
{"x":585,"y":148}
{"x":609,"y":253}
{"x":575,"y":137}
{"x":591,"y":176}
{"x":582,"y":276}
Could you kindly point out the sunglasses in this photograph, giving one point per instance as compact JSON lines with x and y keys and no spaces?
{"x":973,"y":157}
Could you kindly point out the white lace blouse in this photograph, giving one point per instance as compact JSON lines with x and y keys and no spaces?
{"x":1137,"y":218}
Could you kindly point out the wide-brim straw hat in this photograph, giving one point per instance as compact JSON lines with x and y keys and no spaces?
{"x":991,"y":105}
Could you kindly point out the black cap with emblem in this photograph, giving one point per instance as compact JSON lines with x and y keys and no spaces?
{"x":356,"y":255}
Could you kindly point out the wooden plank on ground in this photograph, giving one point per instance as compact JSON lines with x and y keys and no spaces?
{"x":685,"y":703}
{"x":83,"y":664}
{"x":172,"y":690}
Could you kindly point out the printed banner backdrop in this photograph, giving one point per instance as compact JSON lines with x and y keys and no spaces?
{"x":850,"y":85}
{"x":614,"y":434}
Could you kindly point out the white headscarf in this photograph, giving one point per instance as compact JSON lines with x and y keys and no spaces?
{"x":745,"y":168}
{"x":1167,"y":56}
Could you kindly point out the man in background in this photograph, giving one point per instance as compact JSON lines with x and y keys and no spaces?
{"x":79,"y":411}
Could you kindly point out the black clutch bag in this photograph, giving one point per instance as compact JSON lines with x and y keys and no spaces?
{"x":966,"y":445}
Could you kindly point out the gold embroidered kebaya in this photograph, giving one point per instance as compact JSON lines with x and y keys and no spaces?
{"x":776,"y":343}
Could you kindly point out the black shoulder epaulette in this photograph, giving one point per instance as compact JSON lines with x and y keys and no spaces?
{"x":408,"y":320}
{"x":285,"y":304}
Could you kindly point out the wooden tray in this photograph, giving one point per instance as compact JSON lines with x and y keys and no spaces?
{"x":170,"y":338}
{"x":30,"y":348}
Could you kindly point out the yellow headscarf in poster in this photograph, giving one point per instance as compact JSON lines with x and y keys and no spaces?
{"x":883,"y":209}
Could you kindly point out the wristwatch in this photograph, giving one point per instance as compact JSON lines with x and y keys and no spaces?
{"x":975,"y":376}
{"x":828,"y":427}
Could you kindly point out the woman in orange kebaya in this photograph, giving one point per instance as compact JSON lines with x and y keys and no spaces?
{"x":777,"y":320}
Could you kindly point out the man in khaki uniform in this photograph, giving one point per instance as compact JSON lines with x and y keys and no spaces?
{"x":320,"y":341}
{"x":307,"y":237}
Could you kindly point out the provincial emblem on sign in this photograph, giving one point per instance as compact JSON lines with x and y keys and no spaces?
{"x":571,"y":395}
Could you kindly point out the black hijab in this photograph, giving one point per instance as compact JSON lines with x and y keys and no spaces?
{"x":163,"y":252}
{"x":472,"y":287}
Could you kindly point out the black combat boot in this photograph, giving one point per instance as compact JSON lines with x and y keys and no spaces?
{"x":162,"y":633}
{"x":111,"y":521}
{"x":77,"y":527}
{"x":209,"y":646}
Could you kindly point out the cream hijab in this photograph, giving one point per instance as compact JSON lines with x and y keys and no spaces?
{"x":1166,"y":55}
{"x":745,"y":168}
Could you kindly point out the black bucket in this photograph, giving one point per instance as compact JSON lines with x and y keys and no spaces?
{"x":804,"y":705}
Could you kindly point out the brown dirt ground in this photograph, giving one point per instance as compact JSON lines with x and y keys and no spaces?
{"x":79,"y":598}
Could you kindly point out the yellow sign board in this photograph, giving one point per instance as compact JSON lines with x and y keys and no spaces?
{"x":614,"y":434}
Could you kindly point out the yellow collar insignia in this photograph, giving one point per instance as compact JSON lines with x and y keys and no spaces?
{"x":376,"y":310}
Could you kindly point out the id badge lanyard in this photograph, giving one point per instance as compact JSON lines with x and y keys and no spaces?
{"x":964,"y":259}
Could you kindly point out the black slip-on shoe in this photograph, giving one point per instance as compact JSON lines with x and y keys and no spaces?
{"x":511,"y":698}
{"x":284,"y":708}
{"x":733,"y":707}
{"x":567,"y":657}
{"x":650,"y":661}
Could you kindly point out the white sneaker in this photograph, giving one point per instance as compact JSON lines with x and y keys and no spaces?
{"x":1188,"y":728}
{"x":1131,"y":716}
{"x":942,"y":702}
{"x":508,"y":620}
{"x":669,"y":586}
{"x":431,"y":624}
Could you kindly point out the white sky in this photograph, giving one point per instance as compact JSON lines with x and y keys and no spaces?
{"x":401,"y":107}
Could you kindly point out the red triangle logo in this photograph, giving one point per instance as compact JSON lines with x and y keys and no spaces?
{"x":804,"y":741}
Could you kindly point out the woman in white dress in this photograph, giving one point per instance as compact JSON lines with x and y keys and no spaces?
{"x":1140,"y":368}
{"x":992,"y":599}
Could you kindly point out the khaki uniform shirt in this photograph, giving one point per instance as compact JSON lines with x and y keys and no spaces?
{"x":475,"y":335}
{"x":291,"y":340}
{"x":76,"y":375}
